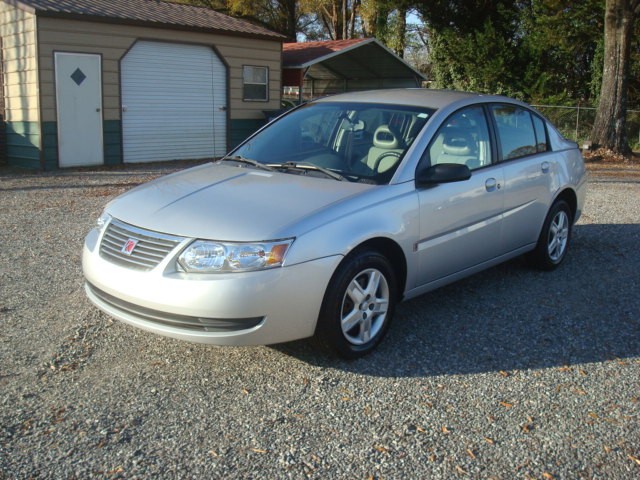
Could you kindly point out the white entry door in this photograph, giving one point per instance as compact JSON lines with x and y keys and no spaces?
{"x":79,"y":106}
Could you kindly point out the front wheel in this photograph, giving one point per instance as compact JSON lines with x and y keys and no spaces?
{"x":553,"y":242}
{"x":358,"y":305}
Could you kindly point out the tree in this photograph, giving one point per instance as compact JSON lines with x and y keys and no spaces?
{"x":475,"y":44}
{"x":336,"y":18}
{"x":386,"y":20}
{"x":609,"y":128}
{"x":287,"y":17}
{"x":560,"y":50}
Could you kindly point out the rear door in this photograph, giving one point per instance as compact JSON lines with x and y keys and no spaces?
{"x":528,"y":166}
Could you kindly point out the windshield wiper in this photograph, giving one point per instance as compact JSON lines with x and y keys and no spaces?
{"x":248,"y":161}
{"x":309,"y":166}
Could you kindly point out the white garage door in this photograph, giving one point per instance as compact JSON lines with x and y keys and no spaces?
{"x":173,"y":102}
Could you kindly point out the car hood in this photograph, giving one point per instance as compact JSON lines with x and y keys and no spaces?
{"x":223,"y":202}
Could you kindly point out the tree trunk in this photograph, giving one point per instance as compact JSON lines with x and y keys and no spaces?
{"x":345,"y":24}
{"x":352,"y":20}
{"x":291,"y":7}
{"x":609,"y":128}
{"x":402,"y":31}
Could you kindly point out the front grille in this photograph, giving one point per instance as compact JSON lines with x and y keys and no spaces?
{"x":198,"y":324}
{"x":150,"y":250}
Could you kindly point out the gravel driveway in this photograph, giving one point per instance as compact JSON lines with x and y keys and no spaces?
{"x":509,"y":374}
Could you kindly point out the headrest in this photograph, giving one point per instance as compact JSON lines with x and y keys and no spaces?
{"x":456,"y":142}
{"x":385,"y":138}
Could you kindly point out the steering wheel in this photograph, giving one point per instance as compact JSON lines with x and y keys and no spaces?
{"x":382,"y":156}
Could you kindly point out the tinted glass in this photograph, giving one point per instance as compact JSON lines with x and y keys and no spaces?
{"x":464,"y":138}
{"x":541,"y":134}
{"x":515,"y":131}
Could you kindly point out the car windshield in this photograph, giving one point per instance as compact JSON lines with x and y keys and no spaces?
{"x":353,"y":141}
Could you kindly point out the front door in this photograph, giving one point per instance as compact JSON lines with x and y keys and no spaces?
{"x":460,"y":225}
{"x":461,"y":222}
{"x":79,"y":106}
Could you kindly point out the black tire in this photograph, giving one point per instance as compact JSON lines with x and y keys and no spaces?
{"x":368,"y":275}
{"x":554,"y":239}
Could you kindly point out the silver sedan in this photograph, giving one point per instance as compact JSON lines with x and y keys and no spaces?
{"x":321,"y":222}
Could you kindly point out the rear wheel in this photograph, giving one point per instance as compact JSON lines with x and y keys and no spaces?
{"x":554,"y":239}
{"x":358,"y":305}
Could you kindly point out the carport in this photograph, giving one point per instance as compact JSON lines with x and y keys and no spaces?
{"x":315,"y":69}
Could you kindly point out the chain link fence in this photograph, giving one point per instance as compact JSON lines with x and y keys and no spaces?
{"x":575,"y":122}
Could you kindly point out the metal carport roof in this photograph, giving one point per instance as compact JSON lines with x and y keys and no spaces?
{"x":362,"y":60}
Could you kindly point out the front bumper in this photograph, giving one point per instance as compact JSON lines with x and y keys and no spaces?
{"x":250,"y":308}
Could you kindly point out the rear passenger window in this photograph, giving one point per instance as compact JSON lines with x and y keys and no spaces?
{"x":541,"y":134}
{"x":516,"y":134}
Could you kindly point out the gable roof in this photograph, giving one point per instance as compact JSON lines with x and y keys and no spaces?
{"x":348,"y":59}
{"x":302,"y":54}
{"x":154,"y":13}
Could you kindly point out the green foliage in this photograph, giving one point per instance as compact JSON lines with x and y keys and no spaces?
{"x":543,"y":51}
{"x":634,"y":73}
{"x":474,"y":45}
{"x":561,"y":42}
{"x":476,"y":61}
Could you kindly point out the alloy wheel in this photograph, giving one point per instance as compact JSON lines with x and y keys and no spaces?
{"x":558,"y":236}
{"x":364,"y":306}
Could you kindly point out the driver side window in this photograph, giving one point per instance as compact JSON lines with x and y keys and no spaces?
{"x":463,"y":139}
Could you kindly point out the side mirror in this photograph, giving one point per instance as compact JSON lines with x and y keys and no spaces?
{"x":442,"y":173}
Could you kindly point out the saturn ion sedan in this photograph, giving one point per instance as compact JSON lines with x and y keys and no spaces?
{"x":322,"y":221}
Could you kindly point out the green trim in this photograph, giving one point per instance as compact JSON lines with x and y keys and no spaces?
{"x":112,"y":139}
{"x":23,"y":141}
{"x":241,"y":129}
{"x":23,"y":144}
{"x":50,"y":145}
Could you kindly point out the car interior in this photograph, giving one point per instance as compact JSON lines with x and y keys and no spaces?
{"x":464,"y":139}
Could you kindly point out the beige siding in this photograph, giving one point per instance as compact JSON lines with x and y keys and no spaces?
{"x":113,"y":41}
{"x":17,"y":29}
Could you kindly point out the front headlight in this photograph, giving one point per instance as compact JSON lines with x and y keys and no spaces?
{"x":204,"y":256}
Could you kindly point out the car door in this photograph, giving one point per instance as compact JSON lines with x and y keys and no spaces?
{"x":460,"y":222}
{"x":528,"y":166}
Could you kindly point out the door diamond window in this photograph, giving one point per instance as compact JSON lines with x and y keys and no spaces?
{"x":78,"y":76}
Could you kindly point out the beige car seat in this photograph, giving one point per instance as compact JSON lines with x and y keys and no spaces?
{"x":458,"y":146}
{"x":387,"y":149}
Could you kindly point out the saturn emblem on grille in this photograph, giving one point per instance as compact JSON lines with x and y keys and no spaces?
{"x":128,"y":246}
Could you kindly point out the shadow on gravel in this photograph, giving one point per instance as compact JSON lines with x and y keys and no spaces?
{"x":512,"y":317}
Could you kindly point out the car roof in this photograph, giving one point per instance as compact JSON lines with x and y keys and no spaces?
{"x":425,"y":97}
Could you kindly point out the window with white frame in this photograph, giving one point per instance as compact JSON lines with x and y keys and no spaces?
{"x":255,"y":83}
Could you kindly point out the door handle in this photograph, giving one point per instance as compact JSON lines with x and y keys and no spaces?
{"x":545,"y":167}
{"x":491,"y":184}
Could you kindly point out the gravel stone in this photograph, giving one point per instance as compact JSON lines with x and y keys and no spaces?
{"x":512,"y":373}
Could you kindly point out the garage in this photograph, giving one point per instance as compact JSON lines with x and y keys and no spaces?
{"x":174,"y":102}
{"x":107,"y":82}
